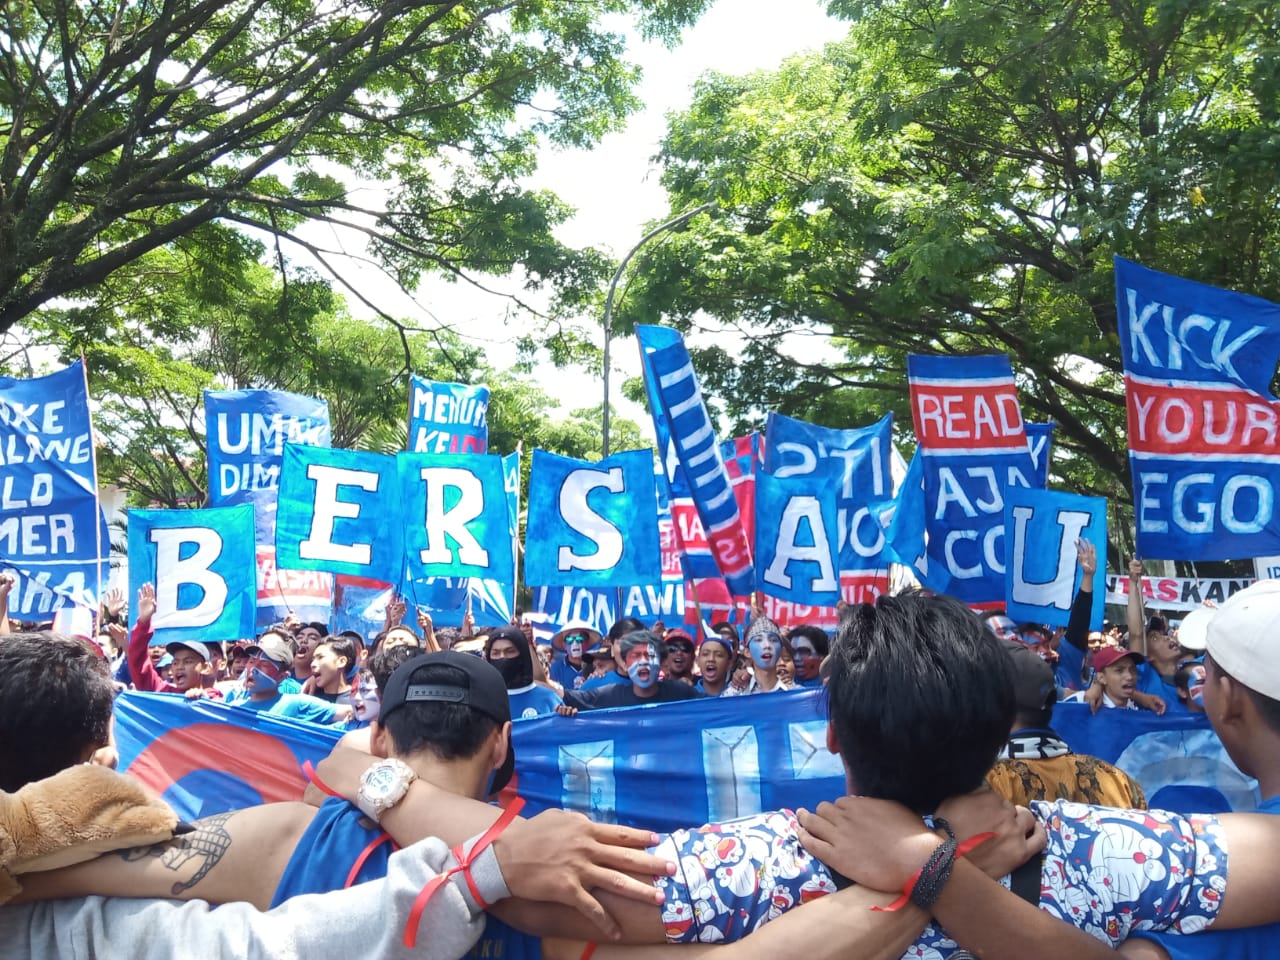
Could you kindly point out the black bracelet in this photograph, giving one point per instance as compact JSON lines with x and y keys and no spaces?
{"x":934,"y":874}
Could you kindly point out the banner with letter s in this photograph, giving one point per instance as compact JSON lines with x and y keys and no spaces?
{"x":447,"y":417}
{"x":202,"y":565}
{"x":1204,"y":429}
{"x":972,"y":448}
{"x":1042,"y":575}
{"x":50,"y":525}
{"x":592,"y":524}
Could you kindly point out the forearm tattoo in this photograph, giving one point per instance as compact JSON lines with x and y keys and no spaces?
{"x":205,"y":846}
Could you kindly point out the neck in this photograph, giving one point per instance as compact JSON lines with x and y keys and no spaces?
{"x":713,"y":688}
{"x":766,"y":678}
{"x":336,"y":685}
{"x":466,"y":778}
{"x":259,"y":695}
{"x":645,"y":693}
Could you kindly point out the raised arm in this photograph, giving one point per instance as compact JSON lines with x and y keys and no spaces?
{"x":1082,"y":606}
{"x":141,"y":670}
{"x":1137,"y":615}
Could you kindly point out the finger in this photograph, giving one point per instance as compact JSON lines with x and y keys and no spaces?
{"x":632,"y":888}
{"x":817,"y":827}
{"x":620,"y":836}
{"x":594,"y":911}
{"x":815,"y":845}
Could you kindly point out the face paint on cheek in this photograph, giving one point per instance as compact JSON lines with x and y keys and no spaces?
{"x":764,"y":652}
{"x":575,"y":648}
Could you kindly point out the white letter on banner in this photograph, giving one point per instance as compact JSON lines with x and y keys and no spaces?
{"x":1056,"y":591}
{"x":1146,"y":523}
{"x":319,"y":544}
{"x":172,"y":572}
{"x":948,"y":552}
{"x":453,"y":522}
{"x":787,"y":549}
{"x":1204,"y":511}
{"x":1266,"y":504}
{"x":573,"y":505}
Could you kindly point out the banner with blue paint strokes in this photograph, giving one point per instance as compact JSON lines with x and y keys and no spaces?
{"x":447,"y":417}
{"x":1040,"y":443}
{"x":52,"y":536}
{"x":339,"y":511}
{"x":796,"y":550}
{"x":592,"y":524}
{"x":202,"y":565}
{"x":1204,"y":448}
{"x":1042,"y":575}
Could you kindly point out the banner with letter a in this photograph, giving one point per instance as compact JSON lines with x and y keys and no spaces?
{"x":592,"y":524}
{"x":52,"y":537}
{"x":797,"y":555}
{"x":202,"y":565}
{"x":246,"y":432}
{"x":340,"y":512}
{"x":691,"y":455}
{"x":1041,"y":530}
{"x":1204,"y":429}
{"x":973,"y":447}
{"x":447,"y":417}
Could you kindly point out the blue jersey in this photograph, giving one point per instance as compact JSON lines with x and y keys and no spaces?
{"x":296,"y":705}
{"x":564,"y":673}
{"x":594,"y":682}
{"x":534,"y":700}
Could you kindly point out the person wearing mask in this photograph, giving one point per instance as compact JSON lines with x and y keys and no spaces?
{"x":507,"y":648}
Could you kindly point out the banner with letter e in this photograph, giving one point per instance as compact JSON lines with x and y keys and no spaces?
{"x":202,"y":565}
{"x":447,"y":417}
{"x":592,"y":524}
{"x":1042,"y":575}
{"x":797,"y":552}
{"x":973,"y":447}
{"x":52,"y":536}
{"x":1204,"y":429}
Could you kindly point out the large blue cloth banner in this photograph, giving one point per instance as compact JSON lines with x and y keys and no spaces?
{"x":690,"y":453}
{"x":660,"y":767}
{"x":970,"y":433}
{"x":1042,"y":575}
{"x":447,"y":417}
{"x":796,"y":550}
{"x":339,"y":511}
{"x":1040,"y":443}
{"x":602,"y":607}
{"x":202,"y":565}
{"x":51,"y":533}
{"x":592,"y":524}
{"x":456,"y":516}
{"x":1204,"y":446}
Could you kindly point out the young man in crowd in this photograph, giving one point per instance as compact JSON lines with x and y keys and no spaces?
{"x":764,"y":641}
{"x":507,"y":648}
{"x":270,"y":661}
{"x":568,"y":645}
{"x":189,"y":667}
{"x":715,"y":660}
{"x":1161,"y":650}
{"x":334,"y":662}
{"x":618,"y":674}
{"x":306,"y":637}
{"x":1116,"y":672}
{"x":641,"y":654}
{"x":678,"y":663}
{"x":810,"y":645}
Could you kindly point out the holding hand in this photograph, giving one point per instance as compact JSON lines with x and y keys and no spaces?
{"x":146,"y":603}
{"x":1087,"y":557}
{"x":113,"y":602}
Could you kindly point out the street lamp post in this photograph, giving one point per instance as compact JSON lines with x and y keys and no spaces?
{"x":608,"y":302}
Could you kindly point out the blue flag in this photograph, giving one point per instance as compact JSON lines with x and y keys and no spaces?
{"x":456,"y":516}
{"x":796,"y":551}
{"x":447,"y":417}
{"x":201,"y":562}
{"x":340,"y":511}
{"x":1040,"y":442}
{"x":1042,"y":575}
{"x":52,"y":536}
{"x":592,"y":524}
{"x":1204,"y":446}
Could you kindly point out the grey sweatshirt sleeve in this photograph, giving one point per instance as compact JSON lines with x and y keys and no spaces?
{"x":366,"y":920}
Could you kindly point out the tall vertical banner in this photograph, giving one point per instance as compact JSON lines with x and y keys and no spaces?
{"x":973,"y":446}
{"x":51,"y":531}
{"x":202,"y":565}
{"x":246,"y":432}
{"x":1204,"y":446}
{"x":687,"y":444}
{"x":1042,"y":574}
{"x":592,"y":524}
{"x":447,"y":417}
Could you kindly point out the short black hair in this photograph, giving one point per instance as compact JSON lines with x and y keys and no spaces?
{"x":623,"y":627}
{"x":55,"y":705}
{"x":821,"y":642}
{"x":920,"y":698}
{"x":342,"y":646}
{"x":449,"y":731}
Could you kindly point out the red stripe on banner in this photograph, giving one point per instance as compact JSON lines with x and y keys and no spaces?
{"x":960,"y":417}
{"x":260,"y":760}
{"x":1187,"y":419}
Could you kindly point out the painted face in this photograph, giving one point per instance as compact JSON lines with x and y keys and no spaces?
{"x":713,"y":662}
{"x":262,"y":673}
{"x":1003,"y":627}
{"x":1195,"y":685}
{"x":642,"y":665}
{"x":764,"y":649}
{"x":807,"y":659}
{"x":573,"y":646}
{"x":364,"y":699}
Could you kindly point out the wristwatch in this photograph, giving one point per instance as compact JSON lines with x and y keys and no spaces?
{"x":382,"y":786}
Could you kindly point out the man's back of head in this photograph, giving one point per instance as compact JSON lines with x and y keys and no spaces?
{"x":920,"y":698}
{"x":55,"y":705}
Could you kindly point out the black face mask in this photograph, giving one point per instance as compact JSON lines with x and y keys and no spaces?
{"x":516,"y":672}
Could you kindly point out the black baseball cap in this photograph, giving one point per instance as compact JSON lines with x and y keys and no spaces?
{"x":1033,"y":686}
{"x":483,"y":689}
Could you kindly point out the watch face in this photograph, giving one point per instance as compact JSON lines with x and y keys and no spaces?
{"x":380,"y":781}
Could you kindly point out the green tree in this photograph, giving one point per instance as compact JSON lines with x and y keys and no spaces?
{"x":125,"y":126}
{"x":954,"y":178}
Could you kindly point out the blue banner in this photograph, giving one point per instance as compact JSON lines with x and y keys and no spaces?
{"x":592,"y":524}
{"x":691,"y":455}
{"x":456,"y":516}
{"x":447,"y":417}
{"x":1203,"y":441}
{"x":1042,"y":575}
{"x":339,"y":511}
{"x":973,"y":447}
{"x":1040,"y":442}
{"x":52,"y":537}
{"x":796,"y":550}
{"x":659,"y":767}
{"x":602,"y":607}
{"x":202,"y":565}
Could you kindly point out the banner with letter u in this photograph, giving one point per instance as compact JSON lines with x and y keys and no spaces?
{"x":50,"y":525}
{"x":1204,"y":429}
{"x":796,"y":553}
{"x":1041,"y":529}
{"x":201,"y":562}
{"x":592,"y":524}
{"x":973,"y":447}
{"x":447,"y":417}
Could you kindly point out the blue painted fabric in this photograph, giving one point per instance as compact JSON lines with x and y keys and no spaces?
{"x":1042,"y":574}
{"x":447,"y":417}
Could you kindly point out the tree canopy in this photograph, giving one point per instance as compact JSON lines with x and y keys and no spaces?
{"x":954,"y":177}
